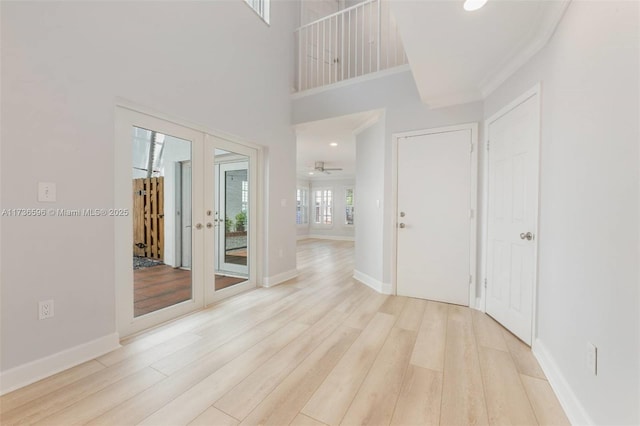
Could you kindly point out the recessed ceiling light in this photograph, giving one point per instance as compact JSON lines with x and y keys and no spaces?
{"x":471,"y":5}
{"x":311,"y":173}
{"x":334,"y":144}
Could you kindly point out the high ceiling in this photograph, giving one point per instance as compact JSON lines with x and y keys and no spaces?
{"x":458,"y":56}
{"x":313,"y":144}
{"x":455,"y":57}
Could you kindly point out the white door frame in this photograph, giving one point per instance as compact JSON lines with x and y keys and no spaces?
{"x":126,"y":114}
{"x":473,"y":202}
{"x":537,"y":92}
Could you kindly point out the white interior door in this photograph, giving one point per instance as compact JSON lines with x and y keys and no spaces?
{"x":512,"y":216}
{"x":434,"y":177}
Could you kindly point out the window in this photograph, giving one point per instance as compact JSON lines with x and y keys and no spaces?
{"x":245,"y":196}
{"x":302,"y":206}
{"x":323,"y":207}
{"x":261,"y":7}
{"x":349,"y":206}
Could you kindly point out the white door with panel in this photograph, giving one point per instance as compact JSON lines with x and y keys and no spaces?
{"x":434,"y":235}
{"x":513,"y":154}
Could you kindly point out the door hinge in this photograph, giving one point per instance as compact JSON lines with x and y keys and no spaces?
{"x":470,"y":279}
{"x":471,"y":147}
{"x":488,"y":143}
{"x":471,"y":213}
{"x":485,"y":283}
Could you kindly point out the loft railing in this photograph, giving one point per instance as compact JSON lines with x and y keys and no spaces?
{"x":355,"y":41}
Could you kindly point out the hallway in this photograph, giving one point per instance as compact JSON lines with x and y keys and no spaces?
{"x":319,"y":349}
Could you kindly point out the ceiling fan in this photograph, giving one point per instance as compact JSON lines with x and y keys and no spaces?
{"x":319,"y":166}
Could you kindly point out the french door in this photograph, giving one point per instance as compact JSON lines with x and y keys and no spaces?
{"x":171,"y":221}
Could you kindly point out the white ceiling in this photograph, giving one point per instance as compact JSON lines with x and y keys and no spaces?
{"x":313,"y":141}
{"x":458,"y":56}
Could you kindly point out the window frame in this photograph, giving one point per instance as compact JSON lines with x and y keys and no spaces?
{"x":346,"y":206}
{"x":304,"y":208}
{"x":323,"y":206}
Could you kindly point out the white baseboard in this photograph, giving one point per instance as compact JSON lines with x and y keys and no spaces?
{"x":329,"y":237}
{"x":279,"y":278}
{"x":369,"y":281}
{"x":302,"y":237}
{"x":39,"y":369}
{"x":572,"y":407}
{"x":479,"y":306}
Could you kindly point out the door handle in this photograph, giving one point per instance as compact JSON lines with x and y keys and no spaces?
{"x":528,"y":236}
{"x":198,"y":226}
{"x":209,"y":225}
{"x":402,"y":225}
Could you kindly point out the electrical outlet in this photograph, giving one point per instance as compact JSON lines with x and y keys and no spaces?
{"x":592,"y":358}
{"x":45,"y":309}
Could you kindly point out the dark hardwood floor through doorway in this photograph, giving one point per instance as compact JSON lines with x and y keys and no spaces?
{"x":161,"y":286}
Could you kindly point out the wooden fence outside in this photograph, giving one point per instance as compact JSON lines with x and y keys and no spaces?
{"x":148,"y":217}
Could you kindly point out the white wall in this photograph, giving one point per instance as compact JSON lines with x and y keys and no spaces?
{"x":369,"y":201}
{"x":175,"y":150}
{"x":398,"y":96}
{"x":63,"y":66}
{"x":338,"y":229}
{"x":588,"y":288}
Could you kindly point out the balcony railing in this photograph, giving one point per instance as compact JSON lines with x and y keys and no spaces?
{"x":355,"y":41}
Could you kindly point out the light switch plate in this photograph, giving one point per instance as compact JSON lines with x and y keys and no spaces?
{"x":46,"y":192}
{"x":592,"y":358}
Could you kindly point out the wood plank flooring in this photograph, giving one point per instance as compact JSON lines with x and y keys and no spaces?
{"x":321,"y":349}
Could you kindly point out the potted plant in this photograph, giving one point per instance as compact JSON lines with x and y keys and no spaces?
{"x":241,"y":221}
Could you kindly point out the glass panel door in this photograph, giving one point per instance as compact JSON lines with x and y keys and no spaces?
{"x":190,"y":233}
{"x":231,"y":194}
{"x":159,"y":254}
{"x":162,"y":221}
{"x":232,"y":217}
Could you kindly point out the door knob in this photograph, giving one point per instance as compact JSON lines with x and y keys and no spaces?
{"x":209,"y":225}
{"x":402,"y":214}
{"x":527,"y":236}
{"x":198,"y":226}
{"x":402,"y":225}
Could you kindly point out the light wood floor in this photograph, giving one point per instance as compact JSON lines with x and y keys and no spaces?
{"x":320,"y":349}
